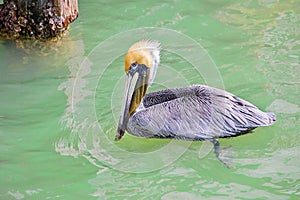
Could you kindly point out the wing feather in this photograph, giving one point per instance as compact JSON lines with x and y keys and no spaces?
{"x":196,"y":113}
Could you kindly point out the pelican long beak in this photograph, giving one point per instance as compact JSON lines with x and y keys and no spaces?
{"x":135,"y":89}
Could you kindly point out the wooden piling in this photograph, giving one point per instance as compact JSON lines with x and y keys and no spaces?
{"x":39,"y":19}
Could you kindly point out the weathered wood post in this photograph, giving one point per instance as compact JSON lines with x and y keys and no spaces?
{"x":38,"y":19}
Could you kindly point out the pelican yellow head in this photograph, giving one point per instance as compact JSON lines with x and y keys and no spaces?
{"x":141,"y":62}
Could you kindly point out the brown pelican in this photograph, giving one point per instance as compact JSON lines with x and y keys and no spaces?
{"x":192,"y":113}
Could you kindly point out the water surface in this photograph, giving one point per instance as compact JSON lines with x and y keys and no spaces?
{"x":60,"y":103}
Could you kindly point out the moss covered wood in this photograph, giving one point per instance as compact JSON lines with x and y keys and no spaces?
{"x":39,"y":19}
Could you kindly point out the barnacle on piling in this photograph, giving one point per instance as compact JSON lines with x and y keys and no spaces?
{"x":27,"y":23}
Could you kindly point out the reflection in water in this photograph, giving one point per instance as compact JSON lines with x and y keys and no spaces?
{"x":187,"y":172}
{"x":282,"y":106}
{"x":73,"y":143}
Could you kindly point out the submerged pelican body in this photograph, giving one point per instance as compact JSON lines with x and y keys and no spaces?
{"x":192,"y":113}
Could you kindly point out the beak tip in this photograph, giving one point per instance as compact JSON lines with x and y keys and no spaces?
{"x":119,"y":134}
{"x":118,"y":137}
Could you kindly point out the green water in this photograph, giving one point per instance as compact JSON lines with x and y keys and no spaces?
{"x":60,"y":101}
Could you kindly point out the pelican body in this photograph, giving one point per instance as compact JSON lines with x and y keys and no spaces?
{"x":194,"y":113}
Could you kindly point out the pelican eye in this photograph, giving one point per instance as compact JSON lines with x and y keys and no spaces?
{"x":133,"y":66}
